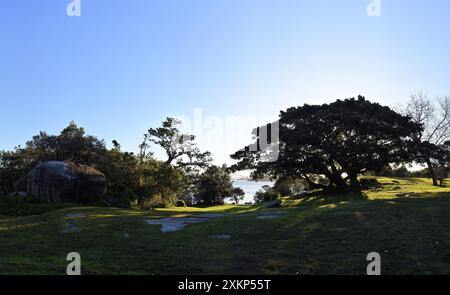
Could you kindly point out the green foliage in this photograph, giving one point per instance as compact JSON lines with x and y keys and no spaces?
{"x":12,"y":167}
{"x":23,"y":206}
{"x":266,"y":194}
{"x":120,"y":169}
{"x":432,"y":141}
{"x":369,"y":183}
{"x":179,"y":147}
{"x":288,"y":186}
{"x":237,"y":194}
{"x":72,"y":144}
{"x":420,"y":173}
{"x":126,"y":199}
{"x":214,"y":185}
{"x":154,"y":201}
{"x":346,"y":137}
{"x":394,"y":171}
{"x":130,"y":177}
{"x":180,"y":203}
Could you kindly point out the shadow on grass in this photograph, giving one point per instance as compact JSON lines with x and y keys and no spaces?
{"x":411,"y":234}
{"x":326,"y":234}
{"x":322,"y":199}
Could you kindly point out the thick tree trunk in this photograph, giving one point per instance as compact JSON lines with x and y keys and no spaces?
{"x":337,"y":184}
{"x":312,"y":184}
{"x":340,"y":184}
{"x":340,"y":189}
{"x":432,"y":172}
{"x":354,"y":183}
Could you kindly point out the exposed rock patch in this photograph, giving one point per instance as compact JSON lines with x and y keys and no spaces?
{"x":71,"y":222}
{"x":171,"y":224}
{"x":222,"y":236}
{"x":70,"y":228}
{"x":174,"y":224}
{"x":177,"y":223}
{"x":269,"y":215}
{"x":407,"y":195}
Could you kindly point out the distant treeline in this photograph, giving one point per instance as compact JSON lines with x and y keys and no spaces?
{"x":403,"y":171}
{"x":134,"y":180}
{"x":319,"y":146}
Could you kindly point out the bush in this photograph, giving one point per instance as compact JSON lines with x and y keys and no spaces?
{"x":287,"y":186}
{"x":23,"y":206}
{"x":219,"y":202}
{"x":266,"y":194}
{"x":181,"y":203}
{"x":369,"y":183}
{"x":213,"y":186}
{"x":394,"y":171}
{"x":124,"y":199}
{"x":154,"y":201}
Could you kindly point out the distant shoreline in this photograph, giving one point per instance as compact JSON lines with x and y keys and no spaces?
{"x":251,"y":179}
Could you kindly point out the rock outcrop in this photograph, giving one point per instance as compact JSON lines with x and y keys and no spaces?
{"x":63,"y":182}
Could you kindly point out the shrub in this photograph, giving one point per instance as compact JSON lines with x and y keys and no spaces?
{"x":394,"y":171}
{"x":266,"y":194}
{"x":154,"y":201}
{"x":369,"y":183}
{"x":23,"y":206}
{"x":219,"y":202}
{"x":213,"y":186}
{"x":124,"y":199}
{"x":287,"y":186}
{"x":181,"y":203}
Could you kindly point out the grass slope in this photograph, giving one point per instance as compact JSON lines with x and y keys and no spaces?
{"x":330,"y":235}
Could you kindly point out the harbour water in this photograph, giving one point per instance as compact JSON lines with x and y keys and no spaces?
{"x":250,"y":187}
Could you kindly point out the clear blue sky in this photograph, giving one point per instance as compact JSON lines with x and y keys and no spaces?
{"x":123,"y":66}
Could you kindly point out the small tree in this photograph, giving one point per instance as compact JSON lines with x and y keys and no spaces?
{"x":237,"y":194}
{"x":214,"y":185}
{"x":340,"y":141}
{"x":266,"y":194}
{"x":121,"y":169}
{"x":179,"y":147}
{"x":72,"y":144}
{"x":288,"y":186}
{"x":434,"y":116}
{"x":12,"y":167}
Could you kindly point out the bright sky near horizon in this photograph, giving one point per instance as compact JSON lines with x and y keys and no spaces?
{"x":123,"y":66}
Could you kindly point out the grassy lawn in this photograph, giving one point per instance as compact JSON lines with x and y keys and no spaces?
{"x":317,"y":235}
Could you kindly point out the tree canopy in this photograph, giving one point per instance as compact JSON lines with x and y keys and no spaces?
{"x":430,"y":142}
{"x":214,"y":185}
{"x":137,"y":179}
{"x":178,"y":146}
{"x":339,"y":140}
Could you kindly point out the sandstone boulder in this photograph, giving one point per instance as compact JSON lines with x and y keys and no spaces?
{"x":63,"y":182}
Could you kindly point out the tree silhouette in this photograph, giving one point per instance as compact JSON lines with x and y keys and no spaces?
{"x":340,"y":141}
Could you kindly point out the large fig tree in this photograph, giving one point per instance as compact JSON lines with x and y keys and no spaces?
{"x":338,"y":141}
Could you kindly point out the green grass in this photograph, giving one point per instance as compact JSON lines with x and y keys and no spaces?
{"x":330,"y":235}
{"x":213,"y":209}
